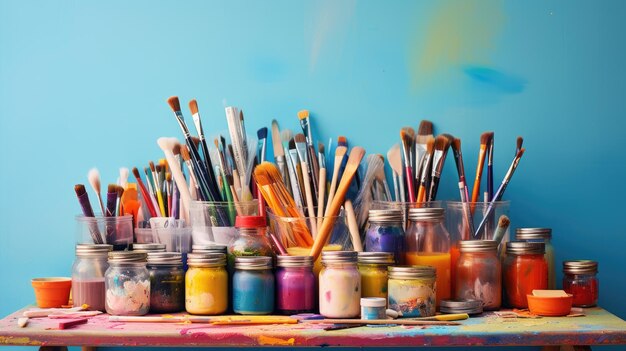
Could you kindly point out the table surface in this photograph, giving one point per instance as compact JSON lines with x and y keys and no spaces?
{"x":597,"y":327}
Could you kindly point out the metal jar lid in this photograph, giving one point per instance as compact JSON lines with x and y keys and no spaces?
{"x":149,"y":247}
{"x":339,"y":257}
{"x":209,"y":248}
{"x":294,"y":261}
{"x":388,"y":216}
{"x":85,"y":250}
{"x":478,"y":245}
{"x":426,"y":214}
{"x":195,"y":259}
{"x":461,"y":306}
{"x":376,"y":258}
{"x":165,"y":258}
{"x":252,"y":263}
{"x":127,"y":257}
{"x":580,"y":267}
{"x":412,"y":272}
{"x":533,"y":233}
{"x":525,"y":248}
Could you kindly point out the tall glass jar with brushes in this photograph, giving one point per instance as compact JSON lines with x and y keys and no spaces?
{"x":88,"y":275}
{"x":542,"y":235}
{"x":428,"y":244}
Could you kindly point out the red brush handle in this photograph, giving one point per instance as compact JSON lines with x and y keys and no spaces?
{"x":146,"y":197}
{"x":409,"y":183}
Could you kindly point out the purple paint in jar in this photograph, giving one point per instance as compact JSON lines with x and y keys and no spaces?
{"x":295,"y":285}
{"x":385,"y":233}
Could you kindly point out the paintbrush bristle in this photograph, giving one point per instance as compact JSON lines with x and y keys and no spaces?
{"x":442,"y":143}
{"x":111,"y":188}
{"x":196,"y":141}
{"x":193,"y":106}
{"x":303,"y":114}
{"x":174,"y":103}
{"x":520,"y":153}
{"x":79,"y":189}
{"x":176,"y":150}
{"x":286,"y":135}
{"x":504,"y":221}
{"x":159,"y":168}
{"x":456,"y":144}
{"x":485,"y":138}
{"x":94,"y":179}
{"x":229,"y":179}
{"x":292,"y":144}
{"x":430,"y":144}
{"x":449,"y":136}
{"x":151,"y":166}
{"x":120,"y":191}
{"x":300,"y":138}
{"x":167,"y":144}
{"x":217,"y":143}
{"x":136,"y":172}
{"x":184,"y":152}
{"x":342,"y":141}
{"x":168,"y":176}
{"x":395,"y":159}
{"x":262,"y":133}
{"x":320,"y":147}
{"x":520,"y":141}
{"x":340,"y":151}
{"x":276,"y":142}
{"x":407,"y":137}
{"x":425,"y":128}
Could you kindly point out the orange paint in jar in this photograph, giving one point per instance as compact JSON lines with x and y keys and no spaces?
{"x":525,"y":269}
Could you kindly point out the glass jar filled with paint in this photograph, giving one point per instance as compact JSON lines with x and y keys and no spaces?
{"x":428,"y":244}
{"x":542,"y":235}
{"x":251,"y":239}
{"x":479,"y":273}
{"x":339,"y":285}
{"x":253,"y":285}
{"x":88,"y":275}
{"x":525,"y":269}
{"x":373,"y":269}
{"x":127,"y":283}
{"x":412,"y":290}
{"x":385,"y":233}
{"x":580,"y":280}
{"x":167,"y":282}
{"x":206,"y":283}
{"x":295,"y":285}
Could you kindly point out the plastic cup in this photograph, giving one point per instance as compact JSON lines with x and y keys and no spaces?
{"x":116,"y":231}
{"x":214,"y":222}
{"x":52,"y":292}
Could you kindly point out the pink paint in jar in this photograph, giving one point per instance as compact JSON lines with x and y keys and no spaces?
{"x":88,"y":275}
{"x":295,"y":285}
{"x":339,"y":285}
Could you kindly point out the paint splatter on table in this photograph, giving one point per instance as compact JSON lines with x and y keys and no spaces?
{"x":598,"y":327}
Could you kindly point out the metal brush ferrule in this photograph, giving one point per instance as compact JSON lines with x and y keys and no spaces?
{"x":181,"y":122}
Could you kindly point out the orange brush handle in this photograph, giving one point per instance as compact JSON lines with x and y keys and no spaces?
{"x":479,"y":174}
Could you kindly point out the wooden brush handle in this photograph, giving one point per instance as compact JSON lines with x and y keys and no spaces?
{"x":309,"y":198}
{"x":353,"y":227}
{"x":320,"y":196}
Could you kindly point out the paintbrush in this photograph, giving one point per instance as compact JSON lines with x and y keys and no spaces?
{"x":94,"y":180}
{"x":149,"y":180}
{"x":442,"y":143}
{"x":340,"y":152}
{"x":305,"y":123}
{"x":424,"y":131}
{"x":301,"y":146}
{"x":378,"y":321}
{"x":293,"y":181}
{"x":395,"y":161}
{"x":118,"y":205}
{"x":222,"y":320}
{"x":498,"y":195}
{"x":323,"y":234}
{"x":279,"y":153}
{"x":490,"y":168}
{"x":426,"y":168}
{"x":167,"y":145}
{"x":239,"y":146}
{"x":520,"y":141}
{"x":353,"y":227}
{"x":484,"y":143}
{"x":464,"y":194}
{"x":184,"y":152}
{"x":111,"y":200}
{"x":193,"y":106}
{"x":407,"y":135}
{"x":342,"y":141}
{"x":296,"y":181}
{"x":159,"y":189}
{"x":144,"y":193}
{"x":124,"y":173}
{"x":262,"y":144}
{"x":85,"y":205}
{"x":503,"y":225}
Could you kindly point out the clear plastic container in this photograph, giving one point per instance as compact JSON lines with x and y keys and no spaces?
{"x":525,"y":269}
{"x":88,"y":275}
{"x":116,"y":231}
{"x":479,"y":273}
{"x":542,"y":235}
{"x":167,"y":282}
{"x":127,"y":283}
{"x":385,"y":233}
{"x":206,"y":284}
{"x":339,"y":285}
{"x":214,"y":222}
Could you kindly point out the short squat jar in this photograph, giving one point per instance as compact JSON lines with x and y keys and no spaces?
{"x":206,"y":283}
{"x":541,"y":235}
{"x":385,"y":233}
{"x":339,"y":285}
{"x":127,"y":284}
{"x":479,"y":273}
{"x":412,"y":290}
{"x":251,"y":239}
{"x":167,"y":282}
{"x":580,"y":280}
{"x":88,"y":275}
{"x":525,"y":269}
{"x":373,"y":268}
{"x":295,"y":285}
{"x":253,"y":285}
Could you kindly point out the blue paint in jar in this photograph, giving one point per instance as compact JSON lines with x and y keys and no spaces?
{"x":373,"y":308}
{"x":385,"y":233}
{"x":253,"y":285}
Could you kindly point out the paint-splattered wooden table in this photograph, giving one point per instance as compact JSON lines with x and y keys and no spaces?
{"x":598,"y":327}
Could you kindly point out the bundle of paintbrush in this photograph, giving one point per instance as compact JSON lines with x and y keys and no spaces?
{"x":160,"y":195}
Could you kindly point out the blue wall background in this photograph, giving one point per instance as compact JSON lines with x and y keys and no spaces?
{"x":84,"y":83}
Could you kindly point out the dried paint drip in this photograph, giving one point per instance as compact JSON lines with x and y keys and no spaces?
{"x":412,"y":290}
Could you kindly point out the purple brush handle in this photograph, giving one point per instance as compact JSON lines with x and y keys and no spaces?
{"x":111,"y":202}
{"x":88,"y":212}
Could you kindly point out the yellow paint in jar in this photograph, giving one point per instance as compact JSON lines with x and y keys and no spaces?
{"x":373,"y":269}
{"x":206,"y":284}
{"x":441,"y":262}
{"x":305,"y":251}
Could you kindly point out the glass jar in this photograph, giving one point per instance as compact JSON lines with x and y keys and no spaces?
{"x":385,"y":233}
{"x":412,"y":290}
{"x":295,"y":285}
{"x":428,"y":244}
{"x":542,"y":235}
{"x":149,"y":247}
{"x":479,"y":273}
{"x":253,"y":285}
{"x":525,"y":269}
{"x":127,"y":283}
{"x":373,"y":270}
{"x":206,"y":283}
{"x":167,"y":282}
{"x":579,"y":279}
{"x":339,"y":285}
{"x":88,"y":275}
{"x":209,"y":248}
{"x":252,"y":239}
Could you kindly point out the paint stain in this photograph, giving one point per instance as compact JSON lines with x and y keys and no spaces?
{"x":269,"y":340}
{"x":457,"y":33}
{"x":327,"y":296}
{"x":493,"y":79}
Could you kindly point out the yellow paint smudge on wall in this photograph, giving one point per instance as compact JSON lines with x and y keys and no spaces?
{"x":268,"y":340}
{"x":457,"y":33}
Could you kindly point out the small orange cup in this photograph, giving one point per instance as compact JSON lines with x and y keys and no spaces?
{"x":550,"y":306}
{"x":52,"y":292}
